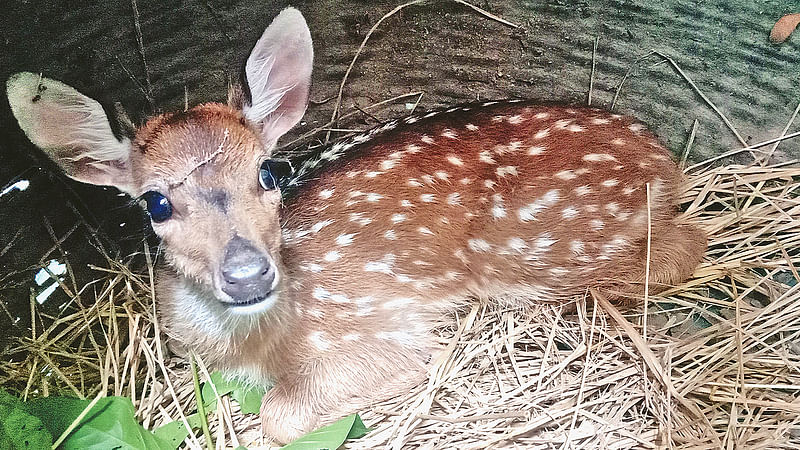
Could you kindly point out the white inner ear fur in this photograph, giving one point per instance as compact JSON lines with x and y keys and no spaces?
{"x":278,"y":73}
{"x":71,"y":128}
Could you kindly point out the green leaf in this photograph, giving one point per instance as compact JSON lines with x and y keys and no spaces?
{"x":111,"y":423}
{"x":18,"y":428}
{"x":175,"y":432}
{"x":248,"y":397}
{"x":332,"y":436}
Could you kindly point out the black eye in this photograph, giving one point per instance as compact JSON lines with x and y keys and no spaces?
{"x":158,"y":206}
{"x":274,"y":173}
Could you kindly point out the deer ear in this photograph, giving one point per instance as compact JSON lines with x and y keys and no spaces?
{"x":278,"y":75}
{"x":72,"y":129}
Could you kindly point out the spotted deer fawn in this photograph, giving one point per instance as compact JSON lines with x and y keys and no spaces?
{"x":327,"y":280}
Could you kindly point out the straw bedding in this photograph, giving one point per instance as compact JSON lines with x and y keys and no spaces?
{"x":711,"y":363}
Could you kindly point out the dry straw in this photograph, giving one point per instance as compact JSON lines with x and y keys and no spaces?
{"x":718,"y":365}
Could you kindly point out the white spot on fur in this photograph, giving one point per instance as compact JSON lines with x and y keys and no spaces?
{"x":450,"y":134}
{"x":486,"y":157}
{"x":455,"y":160}
{"x":580,"y":191}
{"x":562,"y":123}
{"x":636,"y":127}
{"x":479,"y":245}
{"x":489,"y":183}
{"x":541,"y":115}
{"x":374,"y":197}
{"x":406,"y":204}
{"x":612,"y":208}
{"x":326,"y":193}
{"x":454,"y":199}
{"x":506,"y":170}
{"x":345,"y":239}
{"x":618,"y":141}
{"x":596,"y":224}
{"x":471,"y":127}
{"x":413,"y":148}
{"x":351,"y":337}
{"x":629,"y":190}
{"x":575,"y":128}
{"x":598,"y":157}
{"x":535,"y":150}
{"x":529,"y":212}
{"x":372,"y":174}
{"x":388,"y":164}
{"x":426,"y":139}
{"x":498,"y":210}
{"x":569,"y":212}
{"x":311,"y":267}
{"x":541,"y":134}
{"x":321,"y":293}
{"x":442,"y":175}
{"x":390,"y":235}
{"x":383,"y":265}
{"x":428,"y":198}
{"x":515,"y":120}
{"x":599,"y":121}
{"x":577,"y":247}
{"x":332,"y":256}
{"x":517,"y":244}
{"x":320,"y":225}
{"x":413,"y":182}
{"x":465,"y":180}
{"x":610,"y":183}
{"x":397,"y":218}
{"x":425,"y":230}
{"x":566,"y":174}
{"x":318,"y":340}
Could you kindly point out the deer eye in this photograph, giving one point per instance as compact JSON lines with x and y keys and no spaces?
{"x":274,"y":173}
{"x":159,"y":208}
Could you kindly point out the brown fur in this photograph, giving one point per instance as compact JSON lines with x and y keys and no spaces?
{"x":332,"y":355}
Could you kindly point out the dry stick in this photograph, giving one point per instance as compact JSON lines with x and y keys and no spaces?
{"x":160,"y":354}
{"x":650,"y":358}
{"x":591,"y":75}
{"x":703,"y":96}
{"x":689,"y":143}
{"x":488,"y":14}
{"x":647,"y":283}
{"x":350,"y":114}
{"x":140,"y":44}
{"x":338,"y":104}
{"x":767,"y":157}
{"x":740,"y":150}
{"x":625,"y":77}
{"x":582,"y":387}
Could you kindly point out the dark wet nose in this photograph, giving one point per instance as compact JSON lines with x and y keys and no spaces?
{"x":247,"y":272}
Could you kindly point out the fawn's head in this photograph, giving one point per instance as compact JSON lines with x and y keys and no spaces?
{"x":203,"y":174}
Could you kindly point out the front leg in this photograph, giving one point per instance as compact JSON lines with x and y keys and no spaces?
{"x":324,"y":389}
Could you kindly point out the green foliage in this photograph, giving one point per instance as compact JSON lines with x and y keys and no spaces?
{"x":110,"y":423}
{"x":248,"y":397}
{"x":332,"y":436}
{"x":18,"y":428}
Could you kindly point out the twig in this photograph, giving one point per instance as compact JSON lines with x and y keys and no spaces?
{"x":140,"y":44}
{"x":488,"y":14}
{"x":591,"y":75}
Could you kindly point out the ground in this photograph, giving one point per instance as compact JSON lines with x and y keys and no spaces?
{"x":151,"y":55}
